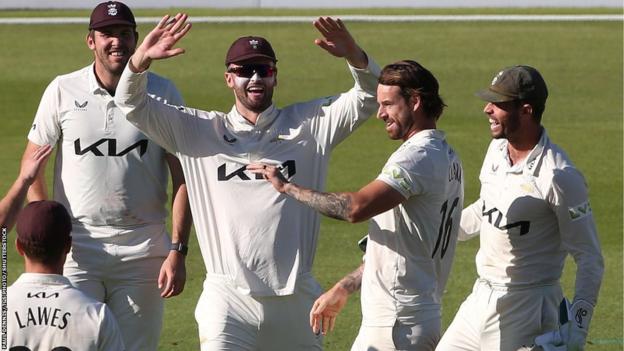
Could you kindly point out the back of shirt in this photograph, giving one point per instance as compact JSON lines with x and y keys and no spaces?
{"x":45,"y":312}
{"x":411,"y":247}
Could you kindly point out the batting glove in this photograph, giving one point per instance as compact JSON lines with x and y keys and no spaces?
{"x":572,"y":333}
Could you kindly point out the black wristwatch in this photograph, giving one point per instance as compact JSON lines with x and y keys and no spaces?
{"x":179,"y":247}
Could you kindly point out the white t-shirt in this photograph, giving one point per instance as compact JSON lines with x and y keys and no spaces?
{"x":45,"y":311}
{"x":411,"y":247}
{"x":107,"y":173}
{"x":530,"y":216}
{"x":248,"y":232}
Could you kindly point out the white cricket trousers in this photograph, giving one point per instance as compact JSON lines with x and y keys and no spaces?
{"x":420,"y":336}
{"x":120,"y":267}
{"x":230,"y":320}
{"x":499,"y":318}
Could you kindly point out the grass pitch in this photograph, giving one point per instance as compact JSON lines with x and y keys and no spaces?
{"x":581,"y":62}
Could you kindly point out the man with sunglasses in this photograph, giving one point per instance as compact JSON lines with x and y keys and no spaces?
{"x":258,"y":246}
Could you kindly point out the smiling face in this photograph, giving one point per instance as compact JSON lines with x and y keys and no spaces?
{"x":504,"y":118}
{"x":112,"y":47}
{"x":396,"y":112}
{"x":253,"y":83}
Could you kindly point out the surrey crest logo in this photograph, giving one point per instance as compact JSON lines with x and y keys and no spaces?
{"x":254,"y":44}
{"x":495,"y":79}
{"x":112,"y":9}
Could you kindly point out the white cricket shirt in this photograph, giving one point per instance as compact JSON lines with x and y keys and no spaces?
{"x":248,"y":232}
{"x":530,"y":215}
{"x":411,"y":247}
{"x":107,"y":173}
{"x":45,"y":311}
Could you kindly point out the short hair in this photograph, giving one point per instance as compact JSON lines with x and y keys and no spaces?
{"x":414,"y":79}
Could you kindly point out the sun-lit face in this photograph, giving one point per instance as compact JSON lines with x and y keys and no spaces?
{"x":253,"y":83}
{"x":504,"y":118}
{"x":112,"y":47}
{"x":395,"y":111}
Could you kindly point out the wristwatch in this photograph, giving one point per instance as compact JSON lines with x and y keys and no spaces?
{"x":179,"y":247}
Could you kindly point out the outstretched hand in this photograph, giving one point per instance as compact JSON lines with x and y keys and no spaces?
{"x":32,"y":165}
{"x":160,"y":42}
{"x":338,"y":41}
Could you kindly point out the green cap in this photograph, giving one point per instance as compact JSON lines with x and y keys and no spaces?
{"x":515,"y":83}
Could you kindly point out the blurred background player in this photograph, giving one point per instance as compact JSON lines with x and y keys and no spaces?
{"x":533,"y":210}
{"x":258,"y":247}
{"x":45,"y":312}
{"x":113,"y":180}
{"x":414,"y":206}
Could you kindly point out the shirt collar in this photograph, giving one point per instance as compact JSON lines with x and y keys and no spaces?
{"x":530,"y":164}
{"x":240,"y":123}
{"x":43,"y":278}
{"x":426,"y":134}
{"x":94,"y":86}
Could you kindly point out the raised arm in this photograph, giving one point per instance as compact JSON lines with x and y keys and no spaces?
{"x":159,"y":43}
{"x":338,"y":41}
{"x":32,"y":165}
{"x":374,"y":198}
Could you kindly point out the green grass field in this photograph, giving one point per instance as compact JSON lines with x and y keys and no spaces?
{"x":581,"y":62}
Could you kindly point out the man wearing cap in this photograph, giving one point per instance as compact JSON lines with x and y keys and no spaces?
{"x":45,"y":312}
{"x":258,"y":246}
{"x":414,"y":206}
{"x":533,"y":211}
{"x":113,"y":181}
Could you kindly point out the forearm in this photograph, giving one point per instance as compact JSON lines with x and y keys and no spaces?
{"x":335,"y":205}
{"x":352,"y":282}
{"x":11,"y":204}
{"x":181,"y":218}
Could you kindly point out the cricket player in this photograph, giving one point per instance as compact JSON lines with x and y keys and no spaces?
{"x":12,"y":202}
{"x":258,"y":246}
{"x":533,"y":210}
{"x":113,"y":181}
{"x":414,"y":211}
{"x":45,"y":312}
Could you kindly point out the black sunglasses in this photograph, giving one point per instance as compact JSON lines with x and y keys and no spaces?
{"x":248,"y":71}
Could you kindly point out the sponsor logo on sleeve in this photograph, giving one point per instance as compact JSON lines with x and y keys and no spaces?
{"x":579,"y":211}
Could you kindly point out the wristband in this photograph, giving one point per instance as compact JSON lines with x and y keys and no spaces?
{"x":179,"y":247}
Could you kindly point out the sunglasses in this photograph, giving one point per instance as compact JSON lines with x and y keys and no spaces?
{"x":248,"y":71}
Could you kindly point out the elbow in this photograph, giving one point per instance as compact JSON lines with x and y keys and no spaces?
{"x":356,"y":215}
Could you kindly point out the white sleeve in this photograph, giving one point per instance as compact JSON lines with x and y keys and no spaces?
{"x":110,"y":336}
{"x":46,"y":128}
{"x":160,"y":122}
{"x":340,"y":115}
{"x":578,"y":232}
{"x":470,"y":224}
{"x":402,"y":173}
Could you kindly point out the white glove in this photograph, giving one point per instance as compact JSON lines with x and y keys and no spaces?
{"x":572,"y":333}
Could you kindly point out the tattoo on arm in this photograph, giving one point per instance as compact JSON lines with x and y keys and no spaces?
{"x":335,"y":205}
{"x":353,"y":281}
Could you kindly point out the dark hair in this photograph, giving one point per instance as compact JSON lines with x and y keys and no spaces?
{"x":414,"y":79}
{"x":38,"y":252}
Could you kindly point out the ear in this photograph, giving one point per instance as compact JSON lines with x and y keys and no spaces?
{"x":526,"y":110}
{"x":19,"y":248}
{"x":415,"y":101}
{"x":90,"y":41}
{"x":229,"y":79}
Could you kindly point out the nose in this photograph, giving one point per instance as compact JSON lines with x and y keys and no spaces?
{"x":381,"y":112}
{"x":255,"y":77}
{"x":488,"y":108}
